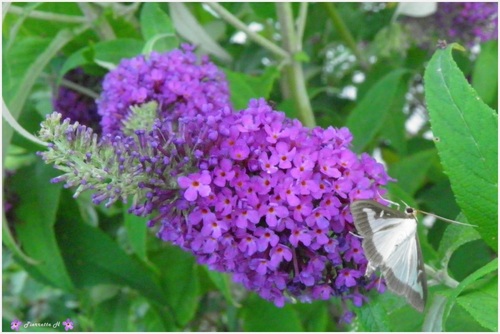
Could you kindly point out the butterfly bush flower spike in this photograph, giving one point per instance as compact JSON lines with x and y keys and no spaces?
{"x":179,"y":82}
{"x":250,"y":193}
{"x":468,"y":22}
{"x":284,"y":236}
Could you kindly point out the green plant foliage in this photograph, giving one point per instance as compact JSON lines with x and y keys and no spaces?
{"x":107,"y":51}
{"x":482,"y":304}
{"x":117,"y":308}
{"x":259,"y":315}
{"x":454,"y":237}
{"x":411,"y":171}
{"x":35,"y":219}
{"x":136,"y":233}
{"x":157,"y":29}
{"x":93,"y":258}
{"x":181,"y":285}
{"x":485,"y":74}
{"x":467,"y":130}
{"x":250,"y":87}
{"x":471,"y":279}
{"x":369,"y":116}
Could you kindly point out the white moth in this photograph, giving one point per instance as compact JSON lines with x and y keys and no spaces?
{"x":390,"y":242}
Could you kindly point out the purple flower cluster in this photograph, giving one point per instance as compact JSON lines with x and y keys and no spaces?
{"x":468,"y":22}
{"x":175,"y":80}
{"x":265,"y":199}
{"x":75,"y":105}
{"x":251,"y":193}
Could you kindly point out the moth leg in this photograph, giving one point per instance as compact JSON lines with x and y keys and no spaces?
{"x":379,"y":282}
{"x":389,"y":201}
{"x":370,"y":270}
{"x":356,"y":235}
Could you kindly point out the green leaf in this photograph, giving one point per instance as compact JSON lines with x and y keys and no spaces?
{"x":160,"y":43}
{"x":475,"y":254}
{"x":373,"y":318}
{"x":468,"y":130}
{"x":433,"y":317}
{"x":112,"y":315}
{"x":35,"y":218}
{"x":189,"y":28}
{"x":122,"y":27}
{"x":260,"y":315}
{"x":454,"y":237}
{"x":394,"y":128}
{"x":16,"y":61}
{"x":179,"y":277}
{"x":157,"y":28}
{"x":314,"y":316}
{"x":137,"y":232}
{"x":411,"y":170}
{"x":482,"y":304}
{"x":21,"y":70}
{"x":32,"y":26}
{"x":485,"y":73}
{"x":107,"y":51}
{"x":439,"y":199}
{"x":245,"y":87}
{"x":223,"y":283}
{"x":461,"y":321}
{"x":369,"y":115}
{"x":157,"y":319}
{"x":453,"y":294}
{"x":92,"y":257}
{"x":398,"y":195}
{"x":389,"y":311}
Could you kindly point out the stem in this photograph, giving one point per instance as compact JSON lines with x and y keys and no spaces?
{"x":102,"y":26}
{"x":234,"y":21}
{"x":301,"y":23}
{"x":344,"y":32}
{"x":442,"y":276}
{"x":73,"y":85}
{"x":41,"y":15}
{"x":13,"y":123}
{"x":295,"y":81}
{"x":19,"y":22}
{"x":5,"y":9}
{"x":79,"y":88}
{"x":119,"y":9}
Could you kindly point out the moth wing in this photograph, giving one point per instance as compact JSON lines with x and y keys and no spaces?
{"x":370,"y":216}
{"x":405,"y":273}
{"x":390,"y":242}
{"x":382,"y":244}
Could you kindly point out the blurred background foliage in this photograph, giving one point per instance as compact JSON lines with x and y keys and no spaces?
{"x":363,"y":67}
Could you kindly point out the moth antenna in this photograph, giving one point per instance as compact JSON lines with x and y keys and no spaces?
{"x":445,"y":219}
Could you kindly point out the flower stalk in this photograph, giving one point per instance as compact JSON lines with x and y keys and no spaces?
{"x":47,"y":16}
{"x":235,"y":22}
{"x":295,"y":80}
